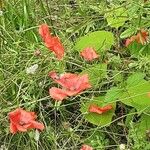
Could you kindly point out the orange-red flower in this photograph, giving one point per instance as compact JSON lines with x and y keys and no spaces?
{"x":89,"y":54}
{"x":141,"y":37}
{"x":72,"y":84}
{"x":86,"y":147}
{"x":99,"y":110}
{"x":52,"y":42}
{"x":21,"y":120}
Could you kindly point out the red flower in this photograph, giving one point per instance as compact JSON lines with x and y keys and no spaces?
{"x":72,"y":84}
{"x":141,"y":37}
{"x":89,"y":54}
{"x":86,"y":147}
{"x":99,"y":110}
{"x":52,"y":42}
{"x":21,"y":120}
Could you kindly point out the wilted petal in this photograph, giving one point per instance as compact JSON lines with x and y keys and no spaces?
{"x":141,"y":37}
{"x":95,"y":109}
{"x":13,"y":128}
{"x":72,"y":82}
{"x":86,"y":147}
{"x":44,"y":32}
{"x":37,"y":125}
{"x":57,"y":94}
{"x":21,"y":128}
{"x":66,"y":80}
{"x":53,"y":43}
{"x":99,"y":110}
{"x":82,"y":83}
{"x":56,"y":46}
{"x":89,"y":54}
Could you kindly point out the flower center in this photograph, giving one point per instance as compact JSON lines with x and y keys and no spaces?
{"x":21,"y":123}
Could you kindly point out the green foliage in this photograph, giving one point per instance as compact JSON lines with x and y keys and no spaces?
{"x":113,"y":94}
{"x":100,"y":40}
{"x":139,"y":133}
{"x":97,"y":140}
{"x":135,"y":79}
{"x":136,"y":92}
{"x":143,"y":125}
{"x":96,"y":73}
{"x":98,"y":119}
{"x":116,"y":16}
{"x":128,"y":32}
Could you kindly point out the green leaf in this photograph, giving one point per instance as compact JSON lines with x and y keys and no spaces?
{"x":142,"y":126}
{"x":100,"y":40}
{"x":137,"y":49}
{"x":116,"y":17}
{"x":128,"y":32}
{"x":98,"y":119}
{"x":136,"y":94}
{"x":113,"y":94}
{"x":96,"y":73}
{"x":135,"y":79}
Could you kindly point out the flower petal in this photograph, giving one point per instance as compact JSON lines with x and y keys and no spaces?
{"x":67,"y":80}
{"x":21,"y":128}
{"x":44,"y":32}
{"x":13,"y":128}
{"x":72,"y":82}
{"x":95,"y":109}
{"x":86,"y":147}
{"x":141,"y":37}
{"x":99,"y":110}
{"x":57,"y":94}
{"x":89,"y":54}
{"x":53,"y":43}
{"x":37,"y":125}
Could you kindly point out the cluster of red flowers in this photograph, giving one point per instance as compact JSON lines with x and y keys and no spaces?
{"x":53,"y":43}
{"x":72,"y":84}
{"x":141,"y":38}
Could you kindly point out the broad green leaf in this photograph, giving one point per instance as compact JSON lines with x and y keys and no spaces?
{"x":136,"y":94}
{"x":96,"y":73}
{"x":135,"y":79}
{"x":113,"y":94}
{"x":116,"y":17}
{"x":128,"y":32}
{"x":98,"y":119}
{"x":100,"y":40}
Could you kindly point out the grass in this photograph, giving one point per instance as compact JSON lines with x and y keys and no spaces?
{"x":66,"y":128}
